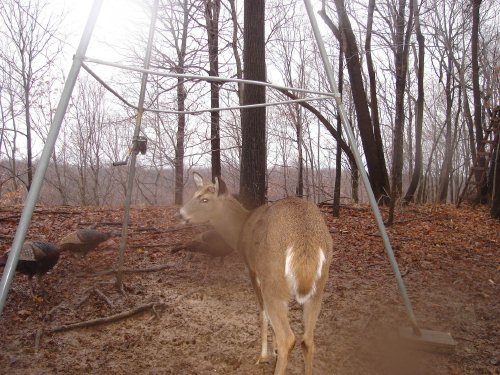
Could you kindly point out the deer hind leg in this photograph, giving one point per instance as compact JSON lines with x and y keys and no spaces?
{"x":311,"y":311}
{"x":277,"y":312}
{"x":264,"y":321}
{"x":264,"y":354}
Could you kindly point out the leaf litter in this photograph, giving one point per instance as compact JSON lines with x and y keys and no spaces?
{"x":196,"y":325}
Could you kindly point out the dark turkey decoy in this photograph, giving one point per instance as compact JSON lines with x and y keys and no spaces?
{"x":36,"y":258}
{"x":210,"y":243}
{"x":82,"y":241}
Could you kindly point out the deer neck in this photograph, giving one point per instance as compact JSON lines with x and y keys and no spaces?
{"x":231,"y":221}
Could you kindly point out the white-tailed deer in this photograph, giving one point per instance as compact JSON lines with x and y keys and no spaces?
{"x":287,"y":248}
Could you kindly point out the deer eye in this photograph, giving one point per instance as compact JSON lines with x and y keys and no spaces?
{"x":204,"y":200}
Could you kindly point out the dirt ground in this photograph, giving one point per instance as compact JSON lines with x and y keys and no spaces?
{"x":450,"y":259}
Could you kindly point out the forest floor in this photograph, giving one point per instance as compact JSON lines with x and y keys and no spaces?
{"x":450,"y":259}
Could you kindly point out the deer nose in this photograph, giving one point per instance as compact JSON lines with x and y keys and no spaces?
{"x":179,"y":216}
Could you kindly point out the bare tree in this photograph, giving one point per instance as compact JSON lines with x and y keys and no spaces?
{"x":338,"y":157}
{"x":419,"y":68}
{"x":401,"y":40}
{"x":88,"y":126}
{"x":253,"y":126}
{"x":483,"y":190}
{"x":373,"y":152}
{"x":29,"y":54}
{"x":212,"y":10}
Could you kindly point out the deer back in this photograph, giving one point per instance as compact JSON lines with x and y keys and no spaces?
{"x":288,"y":247}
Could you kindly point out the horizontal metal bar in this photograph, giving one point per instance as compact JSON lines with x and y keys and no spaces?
{"x":204,"y":78}
{"x":106,"y":86}
{"x":239,"y":106}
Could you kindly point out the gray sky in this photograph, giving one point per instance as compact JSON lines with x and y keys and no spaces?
{"x":119,"y":24}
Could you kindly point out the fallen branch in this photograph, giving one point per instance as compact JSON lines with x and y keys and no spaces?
{"x":100,"y":224}
{"x":158,"y":267}
{"x":83,"y":300}
{"x":104,"y":297}
{"x":154,"y":245}
{"x":38,"y":337}
{"x":183,"y":227}
{"x":52,"y":310}
{"x":105,"y":320}
{"x":405,"y":272}
{"x":418,"y":218}
{"x":46,"y":211}
{"x":12,"y":217}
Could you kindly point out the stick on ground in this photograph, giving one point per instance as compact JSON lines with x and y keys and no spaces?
{"x":158,"y":267}
{"x":105,"y":320}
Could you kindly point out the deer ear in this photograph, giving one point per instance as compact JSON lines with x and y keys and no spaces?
{"x":220,"y":186}
{"x":198,"y":180}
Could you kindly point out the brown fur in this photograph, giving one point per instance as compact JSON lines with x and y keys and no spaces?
{"x":290,"y":229}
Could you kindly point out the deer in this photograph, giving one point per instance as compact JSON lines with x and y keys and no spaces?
{"x":287,"y":248}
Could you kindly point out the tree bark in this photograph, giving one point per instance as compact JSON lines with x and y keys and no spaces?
{"x":419,"y":111}
{"x":401,"y":51}
{"x":236,"y":53}
{"x":373,"y":91}
{"x":444,"y":176}
{"x":212,"y":10}
{"x":373,"y":154}
{"x":327,"y":124}
{"x":253,"y":127}
{"x":495,"y":168}
{"x":299,"y":189}
{"x":181,"y":106}
{"x":482,"y":190}
{"x":338,"y":157}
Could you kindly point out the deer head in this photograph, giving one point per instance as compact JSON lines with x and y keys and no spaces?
{"x":206,"y":201}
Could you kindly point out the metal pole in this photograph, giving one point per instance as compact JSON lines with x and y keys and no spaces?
{"x":202,"y":78}
{"x":269,"y":104}
{"x":359,"y":163}
{"x":133,"y":158}
{"x":34,"y":192}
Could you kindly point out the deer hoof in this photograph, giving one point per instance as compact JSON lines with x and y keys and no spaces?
{"x":264,"y":359}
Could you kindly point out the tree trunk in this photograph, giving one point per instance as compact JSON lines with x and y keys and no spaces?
{"x":181,"y":106}
{"x":373,"y":154}
{"x":29,"y":149}
{"x":482,"y":190}
{"x":179,"y":145}
{"x":335,"y":134}
{"x":444,"y":176}
{"x":355,"y":182}
{"x":253,"y":127}
{"x":373,"y":92}
{"x":212,"y":10}
{"x":495,"y":170}
{"x":419,"y":111}
{"x":299,"y":189}
{"x":338,"y":157}
{"x":236,"y":53}
{"x":401,"y":51}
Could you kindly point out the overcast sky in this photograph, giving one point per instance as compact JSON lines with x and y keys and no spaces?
{"x":118,"y":25}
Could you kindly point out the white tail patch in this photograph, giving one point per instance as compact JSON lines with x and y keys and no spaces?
{"x":292,"y":280}
{"x":290,"y":277}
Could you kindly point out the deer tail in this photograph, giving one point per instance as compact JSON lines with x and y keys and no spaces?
{"x":303,"y":268}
